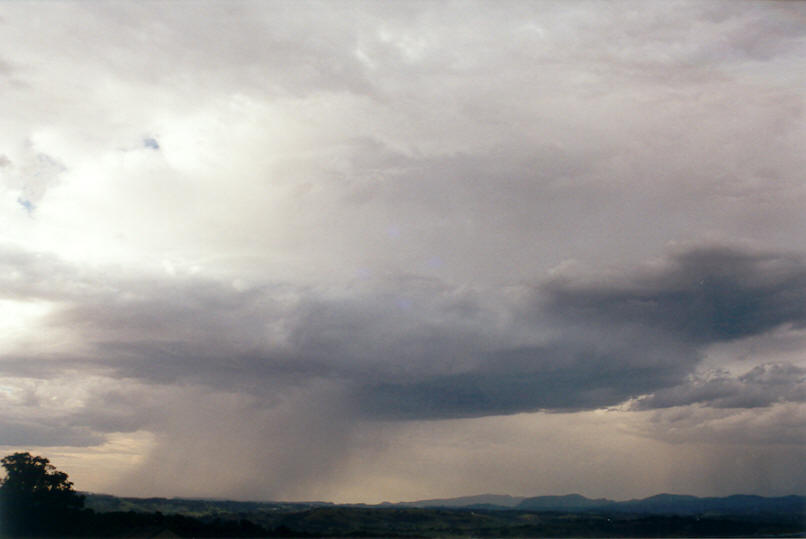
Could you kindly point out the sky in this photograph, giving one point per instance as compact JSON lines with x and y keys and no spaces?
{"x":369,"y":251}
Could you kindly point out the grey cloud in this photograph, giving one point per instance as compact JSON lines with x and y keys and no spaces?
{"x":560,"y":378}
{"x":43,"y":366}
{"x":274,"y":448}
{"x":213,"y":44}
{"x":43,"y":276}
{"x":46,"y":433}
{"x":638,"y":335}
{"x":413,"y":348}
{"x":258,"y":343}
{"x":120,"y":409}
{"x":704,"y":295}
{"x":762,"y":386}
{"x":391,"y":50}
{"x":759,"y":35}
{"x":5,"y":67}
{"x":781,"y":424}
{"x":583,"y":369}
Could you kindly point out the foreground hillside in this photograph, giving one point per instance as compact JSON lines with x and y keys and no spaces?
{"x":650,"y":519}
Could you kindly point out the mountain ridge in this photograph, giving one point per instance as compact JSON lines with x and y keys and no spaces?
{"x":659,"y":504}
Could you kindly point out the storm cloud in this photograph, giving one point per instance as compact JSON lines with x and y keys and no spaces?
{"x":420,"y":349}
{"x":355,"y":247}
{"x":701,"y":295}
{"x":625,"y":337}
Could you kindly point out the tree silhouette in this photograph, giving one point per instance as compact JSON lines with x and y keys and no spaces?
{"x":35,"y":498}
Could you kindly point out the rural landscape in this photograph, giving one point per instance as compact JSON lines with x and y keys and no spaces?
{"x":36,"y":500}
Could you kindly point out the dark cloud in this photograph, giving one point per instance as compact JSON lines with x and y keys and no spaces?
{"x":128,"y":408}
{"x":702,"y":295}
{"x":640,"y":334}
{"x":762,"y":386}
{"x":564,"y":376}
{"x":415,"y":348}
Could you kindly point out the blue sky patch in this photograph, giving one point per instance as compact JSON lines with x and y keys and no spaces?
{"x":27,"y":205}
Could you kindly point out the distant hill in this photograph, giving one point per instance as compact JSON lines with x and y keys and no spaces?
{"x":671,"y":504}
{"x":569,"y":502}
{"x":481,"y":500}
{"x":661,"y":504}
{"x":105,"y":503}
